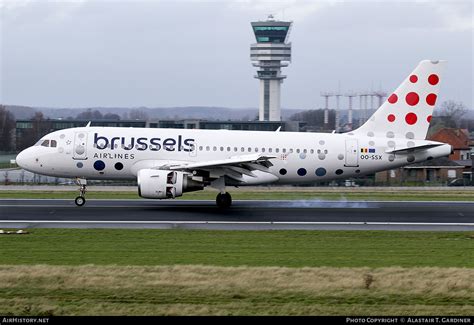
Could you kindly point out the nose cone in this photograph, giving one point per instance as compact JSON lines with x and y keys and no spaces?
{"x":20,"y":159}
{"x":24,"y":159}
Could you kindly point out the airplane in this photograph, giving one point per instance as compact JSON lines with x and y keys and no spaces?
{"x":170,"y":162}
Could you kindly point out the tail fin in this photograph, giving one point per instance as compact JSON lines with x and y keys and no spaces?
{"x":407,"y":112}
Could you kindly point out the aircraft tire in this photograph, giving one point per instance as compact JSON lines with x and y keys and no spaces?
{"x":80,"y":201}
{"x":224,"y":200}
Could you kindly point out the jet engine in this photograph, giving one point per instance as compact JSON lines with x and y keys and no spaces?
{"x":165,"y":184}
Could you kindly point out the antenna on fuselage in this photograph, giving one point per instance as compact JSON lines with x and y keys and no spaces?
{"x":278,"y":130}
{"x":88,"y":124}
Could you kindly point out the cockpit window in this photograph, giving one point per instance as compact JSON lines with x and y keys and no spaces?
{"x":47,"y":143}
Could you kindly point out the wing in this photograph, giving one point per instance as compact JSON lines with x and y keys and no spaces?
{"x":236,"y":167}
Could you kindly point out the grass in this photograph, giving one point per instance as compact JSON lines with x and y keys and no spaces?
{"x":197,"y":272}
{"x":238,"y":248}
{"x":266,"y":194}
{"x":204,"y":290}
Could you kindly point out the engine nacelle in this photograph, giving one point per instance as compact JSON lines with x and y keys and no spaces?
{"x":164,"y":184}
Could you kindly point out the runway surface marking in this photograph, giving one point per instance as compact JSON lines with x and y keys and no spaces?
{"x":240,"y":222}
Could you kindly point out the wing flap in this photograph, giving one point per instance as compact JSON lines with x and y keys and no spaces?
{"x":236,"y":161}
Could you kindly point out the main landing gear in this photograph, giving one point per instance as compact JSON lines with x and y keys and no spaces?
{"x":224,"y":200}
{"x":81,"y":199}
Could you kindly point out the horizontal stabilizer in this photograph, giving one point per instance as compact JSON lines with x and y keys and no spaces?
{"x":415,"y":148}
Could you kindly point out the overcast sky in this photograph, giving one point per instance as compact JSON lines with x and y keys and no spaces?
{"x":186,"y":53}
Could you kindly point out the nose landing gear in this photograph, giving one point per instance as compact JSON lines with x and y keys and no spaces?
{"x":81,"y":199}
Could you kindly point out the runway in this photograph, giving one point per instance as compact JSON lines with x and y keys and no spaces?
{"x":251,"y":215}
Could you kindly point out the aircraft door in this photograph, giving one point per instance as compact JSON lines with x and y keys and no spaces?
{"x":352,"y":153}
{"x":80,"y":146}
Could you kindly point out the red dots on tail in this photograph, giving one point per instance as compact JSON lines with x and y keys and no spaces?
{"x":412,"y":98}
{"x":411,"y":118}
{"x":393,"y":99}
{"x":433,"y":79}
{"x":431,"y":99}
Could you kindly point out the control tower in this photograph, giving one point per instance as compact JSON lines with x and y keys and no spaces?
{"x":269,"y":55}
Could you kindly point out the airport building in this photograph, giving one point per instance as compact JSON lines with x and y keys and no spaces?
{"x":292,"y":126}
{"x":271,"y":53}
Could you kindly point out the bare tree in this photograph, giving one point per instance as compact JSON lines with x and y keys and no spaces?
{"x":7,"y":127}
{"x":28,"y":136}
{"x":90,"y":115}
{"x":452,"y":113}
{"x":112,"y":116}
{"x":137,"y":114}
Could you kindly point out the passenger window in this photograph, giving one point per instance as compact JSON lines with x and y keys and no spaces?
{"x":53,"y":143}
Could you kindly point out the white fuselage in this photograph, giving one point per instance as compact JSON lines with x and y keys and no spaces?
{"x":119,"y":153}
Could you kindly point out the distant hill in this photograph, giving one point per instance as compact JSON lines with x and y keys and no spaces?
{"x":171,"y":113}
{"x":21,"y":112}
